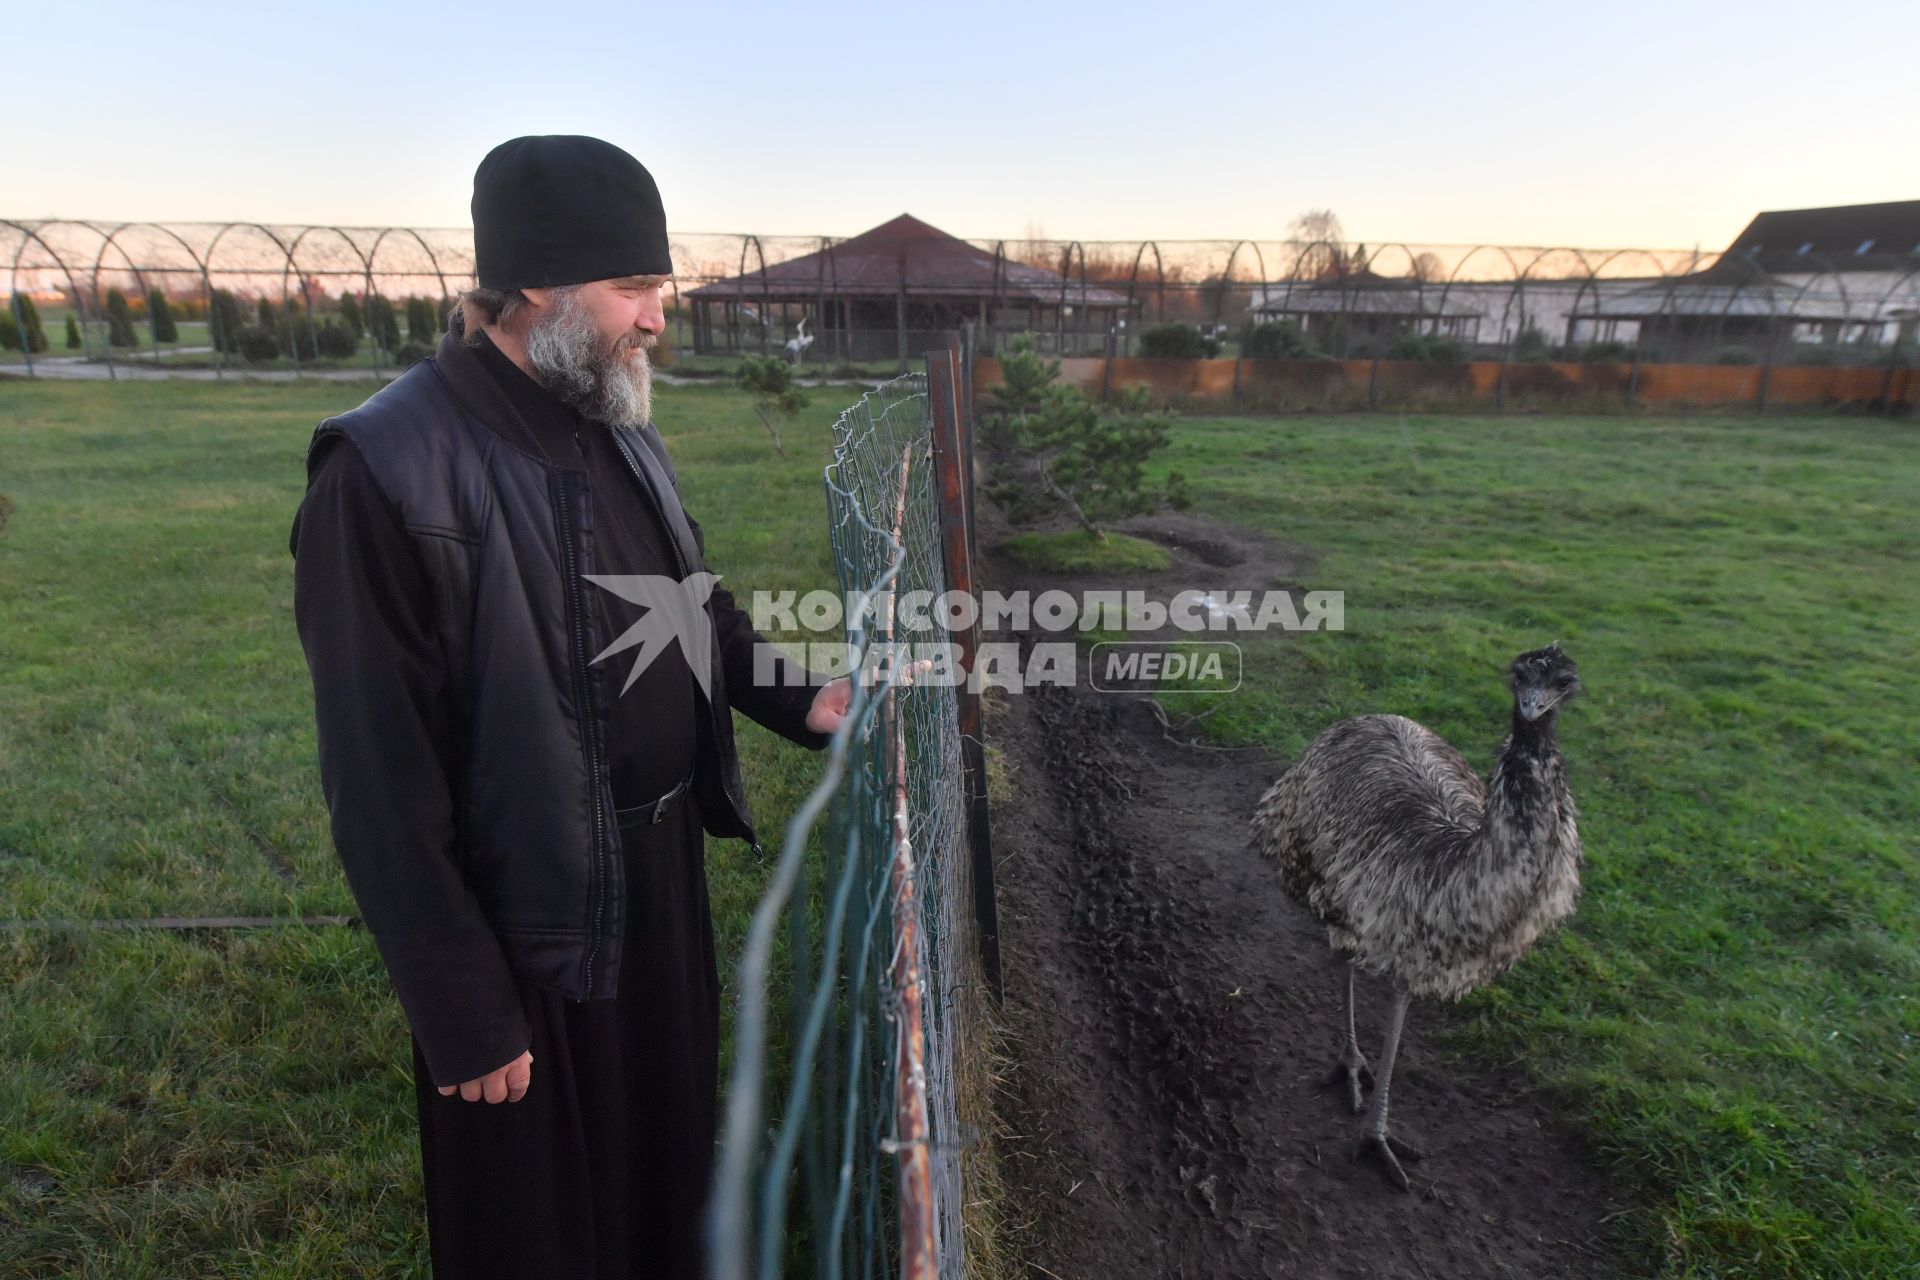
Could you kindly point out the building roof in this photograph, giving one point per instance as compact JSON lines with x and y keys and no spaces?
{"x":932,"y":263}
{"x":1853,"y":237}
{"x":1700,"y":297}
{"x":1368,"y":294}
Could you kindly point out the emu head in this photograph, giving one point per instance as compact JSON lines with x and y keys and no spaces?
{"x":1542,"y":680}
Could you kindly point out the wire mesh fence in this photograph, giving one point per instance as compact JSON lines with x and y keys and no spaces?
{"x":892,"y":293}
{"x":857,"y":1170}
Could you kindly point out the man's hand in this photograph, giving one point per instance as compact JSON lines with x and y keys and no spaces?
{"x":830,"y":703}
{"x":508,"y":1084}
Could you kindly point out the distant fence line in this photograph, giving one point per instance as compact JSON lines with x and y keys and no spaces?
{"x":1430,"y":385}
{"x":804,"y":295}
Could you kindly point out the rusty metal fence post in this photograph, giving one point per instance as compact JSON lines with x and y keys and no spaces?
{"x":950,"y":402}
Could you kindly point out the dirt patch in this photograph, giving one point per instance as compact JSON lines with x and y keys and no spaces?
{"x":1172,"y":1016}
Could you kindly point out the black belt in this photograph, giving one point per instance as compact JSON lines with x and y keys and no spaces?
{"x":657,"y":807}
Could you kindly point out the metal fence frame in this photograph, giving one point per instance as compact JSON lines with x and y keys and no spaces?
{"x":890,"y":989}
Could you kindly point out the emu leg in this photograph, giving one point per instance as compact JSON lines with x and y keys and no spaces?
{"x":1351,"y":1065}
{"x":1376,"y":1140}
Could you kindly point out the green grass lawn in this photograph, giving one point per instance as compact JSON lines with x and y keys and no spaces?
{"x":1732,"y":1015}
{"x":1076,"y":551}
{"x":239,"y":1103}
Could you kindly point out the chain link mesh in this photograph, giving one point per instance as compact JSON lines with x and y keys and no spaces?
{"x":836,"y":1178}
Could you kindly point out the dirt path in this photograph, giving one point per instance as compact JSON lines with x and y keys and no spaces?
{"x":1173,"y":1015}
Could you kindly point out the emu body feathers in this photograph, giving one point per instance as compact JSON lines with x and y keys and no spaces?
{"x":1422,"y":872}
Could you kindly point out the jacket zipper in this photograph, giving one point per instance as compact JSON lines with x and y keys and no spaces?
{"x":713,"y":713}
{"x":588,"y":723}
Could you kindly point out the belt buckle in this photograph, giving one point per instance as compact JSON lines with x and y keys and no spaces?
{"x":660,"y":805}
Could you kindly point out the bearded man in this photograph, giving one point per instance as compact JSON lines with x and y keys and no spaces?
{"x":522,"y":826}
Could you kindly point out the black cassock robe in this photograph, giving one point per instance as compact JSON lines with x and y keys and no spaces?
{"x":601,"y":1170}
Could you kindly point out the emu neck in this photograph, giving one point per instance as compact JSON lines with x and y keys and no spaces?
{"x":1524,"y":796}
{"x":1533,"y":735}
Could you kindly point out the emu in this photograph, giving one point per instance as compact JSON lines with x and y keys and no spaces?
{"x":1421,"y":872}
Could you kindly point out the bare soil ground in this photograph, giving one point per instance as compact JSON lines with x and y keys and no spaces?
{"x":1172,"y":1016}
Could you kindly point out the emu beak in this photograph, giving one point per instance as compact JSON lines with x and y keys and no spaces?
{"x":1535,"y":702}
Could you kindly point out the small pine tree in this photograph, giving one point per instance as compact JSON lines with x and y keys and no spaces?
{"x":265,"y":312}
{"x":420,"y":322}
{"x":1178,"y":342}
{"x":1530,"y":345}
{"x":382,"y":323}
{"x":160,"y":316}
{"x":73,"y":333}
{"x":224,"y":322}
{"x":9,"y":330}
{"x":31,"y":333}
{"x":292,"y":334}
{"x":351,"y":317}
{"x":776,"y":399}
{"x":1054,"y":449}
{"x":256,"y":345}
{"x":1279,"y":340}
{"x":120,"y":321}
{"x":336,"y":341}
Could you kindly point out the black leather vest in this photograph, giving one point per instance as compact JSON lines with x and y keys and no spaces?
{"x":500,"y":535}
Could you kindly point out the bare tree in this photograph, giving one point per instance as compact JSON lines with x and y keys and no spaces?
{"x":1314,"y":237}
{"x":1035,"y":250}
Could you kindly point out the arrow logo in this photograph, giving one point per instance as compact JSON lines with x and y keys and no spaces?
{"x":675,"y":610}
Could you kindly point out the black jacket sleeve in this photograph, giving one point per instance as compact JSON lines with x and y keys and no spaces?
{"x":781,"y":707}
{"x":387,"y":761}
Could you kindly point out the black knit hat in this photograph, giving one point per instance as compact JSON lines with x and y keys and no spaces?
{"x":563,"y":209}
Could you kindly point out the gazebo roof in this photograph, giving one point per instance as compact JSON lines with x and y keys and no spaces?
{"x":932,"y":263}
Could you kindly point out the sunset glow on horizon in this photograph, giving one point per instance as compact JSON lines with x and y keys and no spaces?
{"x":1655,"y":127}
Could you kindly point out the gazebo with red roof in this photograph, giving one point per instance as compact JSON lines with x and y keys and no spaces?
{"x":892,"y":292}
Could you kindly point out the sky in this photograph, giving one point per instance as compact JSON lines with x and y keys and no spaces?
{"x":1596,"y":126}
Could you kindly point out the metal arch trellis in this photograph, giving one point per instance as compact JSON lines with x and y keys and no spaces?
{"x":1133,"y":284}
{"x":107,"y":242}
{"x":373,"y":251}
{"x":766,"y":286}
{"x":1160,"y":290}
{"x":1663,"y":307}
{"x":212,"y":312}
{"x":293,"y":254}
{"x":1419,"y":303}
{"x":828,"y":286}
{"x":1220,"y":303}
{"x":1909,"y":278}
{"x":32,"y":234}
{"x":1066,"y":278}
{"x":1591,"y":282}
{"x":996,"y":291}
{"x":206,"y":285}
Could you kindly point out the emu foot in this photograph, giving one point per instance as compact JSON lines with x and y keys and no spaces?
{"x":1353,"y":1070}
{"x":1389,"y":1151}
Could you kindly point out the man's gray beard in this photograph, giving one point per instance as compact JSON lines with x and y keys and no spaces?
{"x":613,"y":384}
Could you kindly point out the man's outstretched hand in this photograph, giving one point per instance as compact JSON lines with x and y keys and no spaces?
{"x":830,"y":703}
{"x":508,"y":1084}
